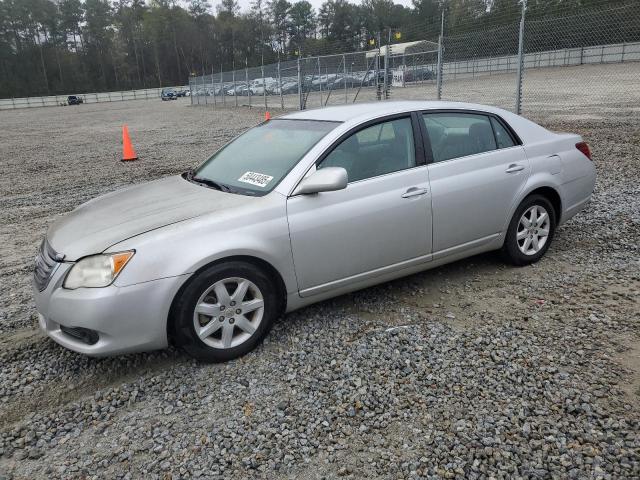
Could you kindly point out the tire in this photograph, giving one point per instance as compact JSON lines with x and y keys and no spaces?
{"x":247,"y":329}
{"x":522,"y":244}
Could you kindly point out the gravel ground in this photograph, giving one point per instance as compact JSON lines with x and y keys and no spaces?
{"x":472,"y":370}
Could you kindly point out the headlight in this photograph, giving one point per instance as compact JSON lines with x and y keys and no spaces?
{"x":96,"y":270}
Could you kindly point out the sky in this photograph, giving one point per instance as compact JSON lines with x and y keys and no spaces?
{"x":244,"y":4}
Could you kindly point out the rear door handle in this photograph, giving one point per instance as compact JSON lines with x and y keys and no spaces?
{"x":414,"y":192}
{"x":514,"y":167}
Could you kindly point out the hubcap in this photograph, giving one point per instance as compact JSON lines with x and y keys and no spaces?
{"x":533,"y":230}
{"x":245,"y":303}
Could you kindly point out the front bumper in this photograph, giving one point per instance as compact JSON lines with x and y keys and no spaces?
{"x":126,"y":319}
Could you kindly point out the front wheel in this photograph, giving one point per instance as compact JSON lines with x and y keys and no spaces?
{"x":225,"y":311}
{"x":530,"y":231}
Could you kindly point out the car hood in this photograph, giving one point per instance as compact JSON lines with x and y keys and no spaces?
{"x":96,"y":225}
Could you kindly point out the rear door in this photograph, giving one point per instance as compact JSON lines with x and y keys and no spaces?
{"x":382,"y":219}
{"x":477,"y":170}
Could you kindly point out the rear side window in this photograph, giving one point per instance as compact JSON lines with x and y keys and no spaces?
{"x":454,"y":135}
{"x":503,"y":137}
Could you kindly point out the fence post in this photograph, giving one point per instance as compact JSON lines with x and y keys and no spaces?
{"x":213,"y":87}
{"x":387,"y":58}
{"x":439,"y":72}
{"x":264,"y":83}
{"x":235,"y":90}
{"x":205,"y":90}
{"x":246,"y":76}
{"x":319,"y":81}
{"x":344,"y":78}
{"x":280,"y":85}
{"x":300,"y":106}
{"x":520,"y":61}
{"x":222,"y":92}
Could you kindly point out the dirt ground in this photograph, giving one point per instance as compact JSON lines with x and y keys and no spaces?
{"x":573,"y":315}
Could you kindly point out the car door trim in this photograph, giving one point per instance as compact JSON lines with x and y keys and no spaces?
{"x":364,"y":276}
{"x":465,"y":246}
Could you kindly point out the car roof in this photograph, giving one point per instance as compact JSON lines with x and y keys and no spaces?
{"x":361,"y":112}
{"x":343,"y":113}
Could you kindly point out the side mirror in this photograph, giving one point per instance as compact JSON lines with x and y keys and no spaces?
{"x":323,"y":180}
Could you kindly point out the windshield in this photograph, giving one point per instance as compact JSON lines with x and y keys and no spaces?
{"x":256,"y":161}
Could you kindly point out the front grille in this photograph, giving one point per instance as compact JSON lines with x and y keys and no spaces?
{"x":90,"y":337}
{"x":45,"y":265}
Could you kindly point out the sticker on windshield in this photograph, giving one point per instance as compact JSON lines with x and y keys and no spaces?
{"x":257,"y":179}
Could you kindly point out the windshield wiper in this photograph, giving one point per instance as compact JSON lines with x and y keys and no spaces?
{"x":211,"y":183}
{"x":190,"y":175}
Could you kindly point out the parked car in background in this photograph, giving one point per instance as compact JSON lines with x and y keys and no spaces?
{"x":418,"y":74}
{"x":181,"y":93}
{"x":239,"y":90}
{"x":259,"y":85}
{"x":74,"y":100}
{"x":286,"y":88}
{"x":299,"y":209}
{"x":168,"y":94}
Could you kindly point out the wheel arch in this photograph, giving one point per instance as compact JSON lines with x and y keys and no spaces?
{"x":541,"y":187}
{"x":552,"y":195}
{"x":260,"y":263}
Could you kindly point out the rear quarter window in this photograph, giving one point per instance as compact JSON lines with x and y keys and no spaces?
{"x":503,"y":137}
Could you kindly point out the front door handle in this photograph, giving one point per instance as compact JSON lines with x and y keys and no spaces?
{"x":414,"y":192}
{"x":514,"y":167}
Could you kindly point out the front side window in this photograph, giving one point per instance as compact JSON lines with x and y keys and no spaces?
{"x":256,"y":161}
{"x":454,"y":135}
{"x":377,"y":150}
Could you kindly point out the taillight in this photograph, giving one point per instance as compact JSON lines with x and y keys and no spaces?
{"x":584,"y":148}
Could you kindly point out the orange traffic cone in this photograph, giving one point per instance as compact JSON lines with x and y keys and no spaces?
{"x":267,"y":116}
{"x":128,"y":153}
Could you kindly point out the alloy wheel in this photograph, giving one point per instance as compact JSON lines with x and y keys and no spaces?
{"x":533,"y":230}
{"x":228,"y":312}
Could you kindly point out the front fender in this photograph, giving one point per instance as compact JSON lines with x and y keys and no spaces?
{"x":186,"y":247}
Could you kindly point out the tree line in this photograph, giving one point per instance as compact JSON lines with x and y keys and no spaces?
{"x":74,"y":46}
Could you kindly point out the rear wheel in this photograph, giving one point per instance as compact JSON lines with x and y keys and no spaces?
{"x":225,"y":311}
{"x":530,"y":231}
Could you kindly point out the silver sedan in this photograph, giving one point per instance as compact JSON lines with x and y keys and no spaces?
{"x":299,"y":209}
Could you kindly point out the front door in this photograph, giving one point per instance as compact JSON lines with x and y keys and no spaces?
{"x":382,"y":218}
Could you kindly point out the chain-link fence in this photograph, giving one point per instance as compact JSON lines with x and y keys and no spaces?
{"x":581,"y":61}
